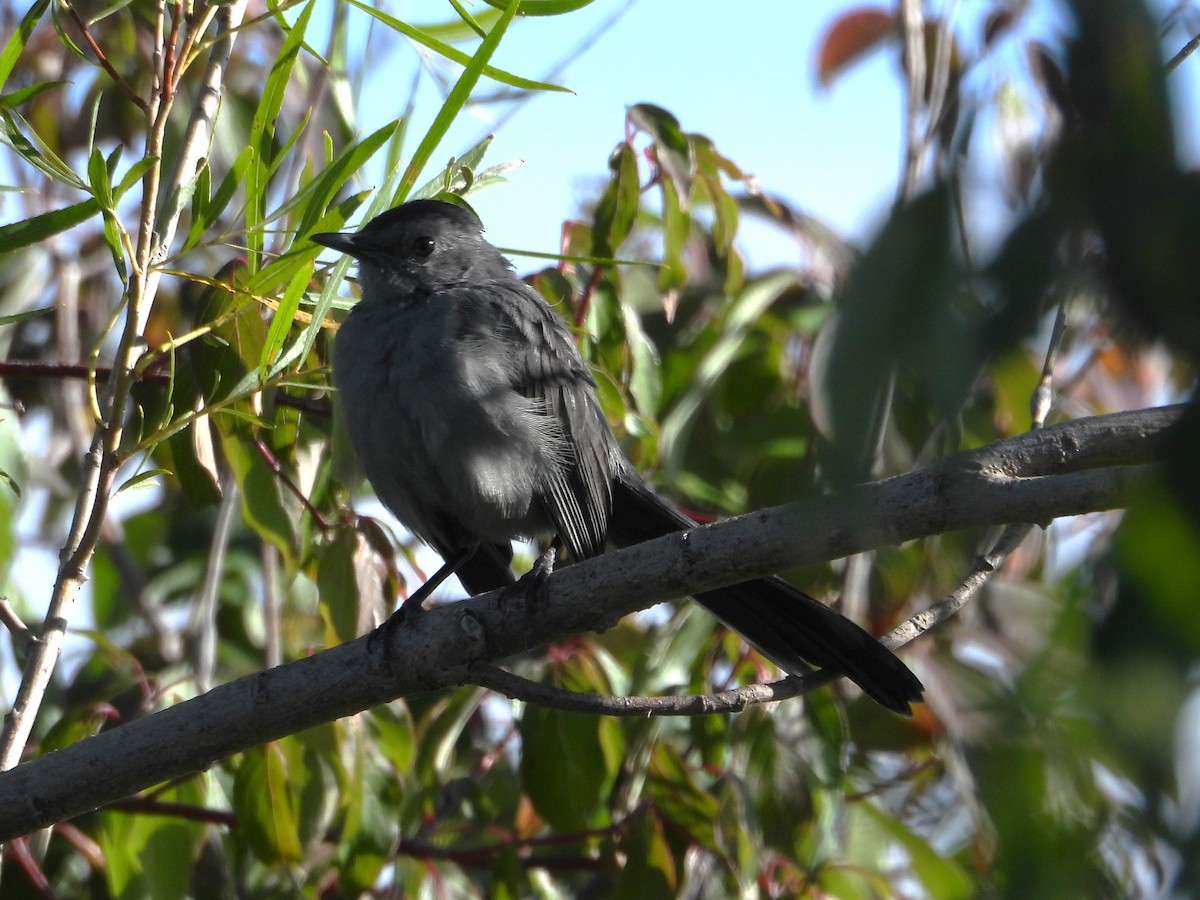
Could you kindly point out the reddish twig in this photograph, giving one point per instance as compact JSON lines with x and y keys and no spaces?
{"x":19,"y":850}
{"x":585,"y":299}
{"x":188,"y":811}
{"x":269,"y":458}
{"x":124,"y":85}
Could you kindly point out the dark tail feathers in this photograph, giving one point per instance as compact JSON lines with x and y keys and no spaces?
{"x":782,"y":622}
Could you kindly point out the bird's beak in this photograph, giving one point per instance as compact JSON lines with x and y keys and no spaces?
{"x":336,"y":240}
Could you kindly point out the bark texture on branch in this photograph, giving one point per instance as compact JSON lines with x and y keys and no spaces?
{"x":1077,"y":467}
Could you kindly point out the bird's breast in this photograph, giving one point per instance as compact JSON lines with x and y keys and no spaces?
{"x":438,"y":426}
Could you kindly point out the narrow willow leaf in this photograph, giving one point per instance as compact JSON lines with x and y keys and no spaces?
{"x":31,"y":231}
{"x":43,"y":159}
{"x":272,"y":362}
{"x":456,"y":55}
{"x":98,"y":179}
{"x":455,"y":101}
{"x":140,"y":479}
{"x":262,"y":135}
{"x":16,"y":42}
{"x":15,"y":318}
{"x":206,"y":213}
{"x":27,"y":93}
{"x":544,"y":7}
{"x":135,"y":174}
{"x":317,"y":194}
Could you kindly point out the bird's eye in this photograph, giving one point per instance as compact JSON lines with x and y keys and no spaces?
{"x":422,"y":246}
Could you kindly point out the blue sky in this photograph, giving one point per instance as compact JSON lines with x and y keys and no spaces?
{"x":743,"y":74}
{"x":740,"y":73}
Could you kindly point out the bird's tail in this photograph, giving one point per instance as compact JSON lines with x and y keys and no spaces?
{"x":781,"y":621}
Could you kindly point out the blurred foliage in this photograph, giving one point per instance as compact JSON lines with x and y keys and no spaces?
{"x":1056,"y":755}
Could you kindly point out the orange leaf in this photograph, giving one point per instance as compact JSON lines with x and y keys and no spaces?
{"x":851,"y":36}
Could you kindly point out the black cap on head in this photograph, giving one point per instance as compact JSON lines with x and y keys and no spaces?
{"x":422,"y":245}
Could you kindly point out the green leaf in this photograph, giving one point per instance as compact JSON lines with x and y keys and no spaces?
{"x":645,"y":378}
{"x":456,"y":55}
{"x":682,"y":803}
{"x":455,"y":101}
{"x":44,"y":159}
{"x":99,"y":177}
{"x":440,"y":731}
{"x":262,"y":134}
{"x":318,"y":193}
{"x":27,"y":93}
{"x":261,"y":495}
{"x":459,"y":176}
{"x":271,"y":363}
{"x":144,"y":854}
{"x":206,"y":210}
{"x":745,"y":310}
{"x":676,"y":226}
{"x":570,"y":761}
{"x":196,"y":478}
{"x":650,"y":869}
{"x":672,"y":147}
{"x":135,"y":174}
{"x":16,"y":318}
{"x":544,"y":7}
{"x":266,"y":806}
{"x":17,"y":40}
{"x":31,"y":231}
{"x":140,"y":479}
{"x":898,"y":311}
{"x":337,"y":583}
{"x":618,"y":206}
{"x":468,"y":18}
{"x":941,"y":877}
{"x":567,"y":745}
{"x":13,"y":455}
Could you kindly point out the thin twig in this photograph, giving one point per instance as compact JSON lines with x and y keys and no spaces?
{"x":203,"y":622}
{"x":737,"y":699}
{"x":130,"y":94}
{"x":1043,"y":394}
{"x":914,"y":57}
{"x":517,"y":688}
{"x":940,"y":83}
{"x":186,"y":811}
{"x":985,"y":566}
{"x":1188,"y":49}
{"x":269,"y":458}
{"x":20,"y":634}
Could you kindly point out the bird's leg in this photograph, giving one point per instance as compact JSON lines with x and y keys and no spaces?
{"x":532,"y":584}
{"x":412,"y":605}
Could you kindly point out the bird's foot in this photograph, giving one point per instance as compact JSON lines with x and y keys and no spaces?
{"x":532,"y":585}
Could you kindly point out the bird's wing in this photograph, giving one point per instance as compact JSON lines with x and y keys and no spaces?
{"x":546,"y":367}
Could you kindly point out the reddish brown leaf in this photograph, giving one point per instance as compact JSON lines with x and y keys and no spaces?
{"x":851,"y":36}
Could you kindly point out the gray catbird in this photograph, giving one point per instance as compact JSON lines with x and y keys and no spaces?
{"x":476,"y":421}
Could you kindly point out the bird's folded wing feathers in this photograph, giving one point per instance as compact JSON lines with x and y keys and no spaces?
{"x":547,"y":367}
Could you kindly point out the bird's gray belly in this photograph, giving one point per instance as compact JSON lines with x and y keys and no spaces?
{"x":458,"y":454}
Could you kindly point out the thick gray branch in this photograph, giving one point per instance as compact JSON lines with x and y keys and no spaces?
{"x":1078,"y":467}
